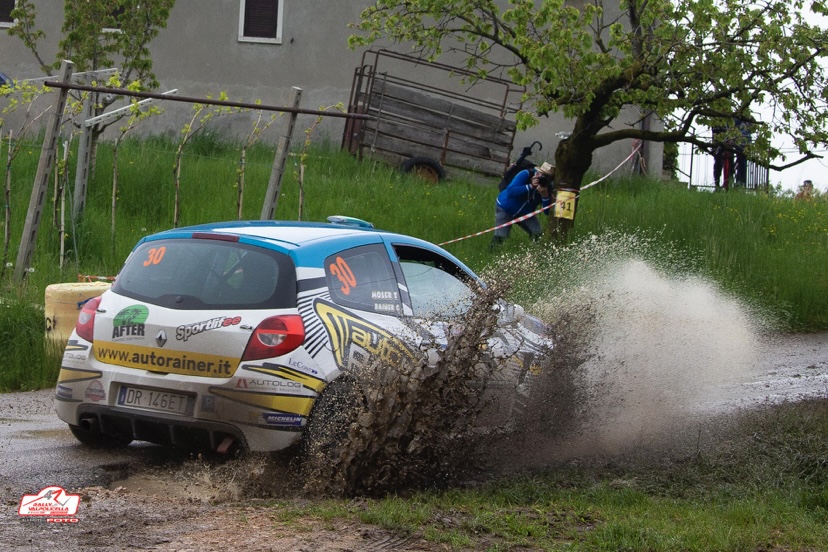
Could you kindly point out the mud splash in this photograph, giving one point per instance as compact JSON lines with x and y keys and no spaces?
{"x":408,"y":426}
{"x":642,"y":342}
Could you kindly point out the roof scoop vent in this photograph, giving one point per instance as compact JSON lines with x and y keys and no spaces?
{"x":349,"y":221}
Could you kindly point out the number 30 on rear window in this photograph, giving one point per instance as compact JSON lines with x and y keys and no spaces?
{"x":344,"y":274}
{"x":154,"y":255}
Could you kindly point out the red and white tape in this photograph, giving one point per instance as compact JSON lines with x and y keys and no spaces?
{"x":636,"y":147}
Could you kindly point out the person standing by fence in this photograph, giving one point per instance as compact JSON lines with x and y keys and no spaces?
{"x":722,"y":158}
{"x":806,"y":191}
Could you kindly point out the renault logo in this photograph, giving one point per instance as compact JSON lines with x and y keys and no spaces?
{"x":161,"y":338}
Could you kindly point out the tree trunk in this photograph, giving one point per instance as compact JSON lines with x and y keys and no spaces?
{"x":572,"y":160}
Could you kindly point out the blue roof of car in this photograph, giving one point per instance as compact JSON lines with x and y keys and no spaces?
{"x":286,"y":234}
{"x":307,"y":242}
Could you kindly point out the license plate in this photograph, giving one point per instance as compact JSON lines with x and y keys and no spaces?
{"x":153,"y":399}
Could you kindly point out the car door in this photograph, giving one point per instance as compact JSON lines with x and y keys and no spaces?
{"x":440,"y":293}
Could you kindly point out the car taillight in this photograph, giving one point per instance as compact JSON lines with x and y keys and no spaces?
{"x":275,"y":336}
{"x":85,"y":325}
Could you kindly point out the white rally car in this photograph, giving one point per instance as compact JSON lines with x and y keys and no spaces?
{"x":223,"y":335}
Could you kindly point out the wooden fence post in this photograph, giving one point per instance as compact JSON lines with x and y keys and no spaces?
{"x":41,"y":182}
{"x":271,"y":199}
{"x":84,"y":152}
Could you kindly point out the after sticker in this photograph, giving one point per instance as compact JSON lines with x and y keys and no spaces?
{"x":129,"y":324}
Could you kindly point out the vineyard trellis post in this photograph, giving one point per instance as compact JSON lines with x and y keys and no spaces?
{"x":275,"y":184}
{"x":48,"y":151}
{"x":44,"y":169}
{"x":85,"y":144}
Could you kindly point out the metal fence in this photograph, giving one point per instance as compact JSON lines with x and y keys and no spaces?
{"x":696,"y":167}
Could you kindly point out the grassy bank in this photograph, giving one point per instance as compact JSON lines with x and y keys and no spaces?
{"x":759,"y":482}
{"x":762,"y":248}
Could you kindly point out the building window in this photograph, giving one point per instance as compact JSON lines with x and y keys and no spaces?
{"x":6,"y":7}
{"x":116,"y":25}
{"x":261,"y":21}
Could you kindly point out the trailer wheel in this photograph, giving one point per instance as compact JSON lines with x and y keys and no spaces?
{"x":424,"y":167}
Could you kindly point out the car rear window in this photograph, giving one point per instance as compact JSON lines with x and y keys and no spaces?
{"x":203,"y":273}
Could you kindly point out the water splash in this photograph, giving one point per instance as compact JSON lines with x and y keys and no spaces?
{"x":644,"y":343}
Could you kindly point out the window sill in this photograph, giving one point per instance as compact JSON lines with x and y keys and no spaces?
{"x":259,"y":40}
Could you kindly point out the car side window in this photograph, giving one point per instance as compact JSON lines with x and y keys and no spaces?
{"x":362,"y":278}
{"x":436,"y":286}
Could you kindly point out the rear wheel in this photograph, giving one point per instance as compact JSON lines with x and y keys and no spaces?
{"x":325,"y":450}
{"x":93,"y":438}
{"x":424,"y":167}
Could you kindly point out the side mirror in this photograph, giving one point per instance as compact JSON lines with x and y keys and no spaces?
{"x":509,"y":313}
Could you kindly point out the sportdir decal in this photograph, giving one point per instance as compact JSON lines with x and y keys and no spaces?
{"x":345,"y":329}
{"x":186,"y":331}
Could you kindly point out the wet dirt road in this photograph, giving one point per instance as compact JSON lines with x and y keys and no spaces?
{"x":154,"y":498}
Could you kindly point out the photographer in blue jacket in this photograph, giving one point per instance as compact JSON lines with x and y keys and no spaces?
{"x":529,"y":190}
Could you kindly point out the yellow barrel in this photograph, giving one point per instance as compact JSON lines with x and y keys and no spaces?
{"x":64,"y":303}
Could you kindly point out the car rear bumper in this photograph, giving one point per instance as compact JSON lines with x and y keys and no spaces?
{"x":146,"y":426}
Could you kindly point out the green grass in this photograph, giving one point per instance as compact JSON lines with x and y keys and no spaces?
{"x":763,"y":247}
{"x":763,"y":485}
{"x":30,"y":361}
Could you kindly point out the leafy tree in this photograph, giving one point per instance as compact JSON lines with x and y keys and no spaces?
{"x":97,"y":34}
{"x":100,"y":34}
{"x":687,"y":62}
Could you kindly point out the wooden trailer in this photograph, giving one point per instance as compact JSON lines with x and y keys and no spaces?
{"x":426,"y":120}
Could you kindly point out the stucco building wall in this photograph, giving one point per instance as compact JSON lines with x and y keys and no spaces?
{"x":200,"y":54}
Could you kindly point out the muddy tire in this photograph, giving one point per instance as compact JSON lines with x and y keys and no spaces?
{"x":96,"y":439}
{"x":326,"y":456}
{"x":424,"y":167}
